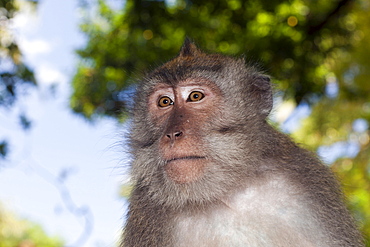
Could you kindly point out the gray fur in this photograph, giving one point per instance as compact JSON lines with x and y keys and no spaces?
{"x":250,"y":157}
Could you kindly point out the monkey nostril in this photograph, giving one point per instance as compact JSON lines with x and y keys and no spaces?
{"x":178,"y":134}
{"x":174,"y":135}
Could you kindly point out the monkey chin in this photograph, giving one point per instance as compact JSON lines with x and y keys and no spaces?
{"x":185,"y":169}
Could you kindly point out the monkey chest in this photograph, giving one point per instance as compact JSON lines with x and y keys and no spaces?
{"x":271,"y":214}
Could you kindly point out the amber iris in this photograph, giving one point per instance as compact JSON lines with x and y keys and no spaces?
{"x":165,"y":101}
{"x":195,"y":96}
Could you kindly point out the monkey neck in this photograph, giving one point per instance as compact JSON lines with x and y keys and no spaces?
{"x":273,"y":144}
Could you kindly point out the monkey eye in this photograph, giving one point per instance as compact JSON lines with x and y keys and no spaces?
{"x":195,"y":96}
{"x":165,"y":101}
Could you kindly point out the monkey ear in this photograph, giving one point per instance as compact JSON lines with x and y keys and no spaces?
{"x":262,"y":93}
{"x":189,"y":49}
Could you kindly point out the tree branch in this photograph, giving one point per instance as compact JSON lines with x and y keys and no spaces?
{"x":330,"y":15}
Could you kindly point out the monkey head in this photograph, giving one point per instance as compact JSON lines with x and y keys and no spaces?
{"x":195,"y":122}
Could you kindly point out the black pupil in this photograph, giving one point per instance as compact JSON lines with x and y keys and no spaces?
{"x":165,"y":101}
{"x":196,"y":95}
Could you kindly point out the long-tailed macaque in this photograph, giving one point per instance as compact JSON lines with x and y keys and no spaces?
{"x":208,"y":170}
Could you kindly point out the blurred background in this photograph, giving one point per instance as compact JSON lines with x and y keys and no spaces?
{"x":68,"y":68}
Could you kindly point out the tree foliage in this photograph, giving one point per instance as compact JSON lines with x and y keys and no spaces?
{"x":316,"y":51}
{"x":295,"y":41}
{"x":20,"y":232}
{"x":14,"y":74}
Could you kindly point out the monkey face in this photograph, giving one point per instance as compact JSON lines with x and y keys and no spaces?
{"x":195,"y":121}
{"x":183,"y":112}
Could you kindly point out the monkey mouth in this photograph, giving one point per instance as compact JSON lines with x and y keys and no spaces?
{"x":185,"y":169}
{"x":186,"y":158}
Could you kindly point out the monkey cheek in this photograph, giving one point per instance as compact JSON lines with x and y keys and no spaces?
{"x":185,"y":171}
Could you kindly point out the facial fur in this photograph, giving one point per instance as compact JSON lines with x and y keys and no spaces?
{"x":189,"y":170}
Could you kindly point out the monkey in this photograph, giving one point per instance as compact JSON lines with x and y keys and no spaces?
{"x":209,"y":170}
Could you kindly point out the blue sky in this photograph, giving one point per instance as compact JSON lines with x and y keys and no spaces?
{"x":61,"y":152}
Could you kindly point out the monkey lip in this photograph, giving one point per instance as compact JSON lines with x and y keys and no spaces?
{"x":185,"y":169}
{"x":186,"y":158}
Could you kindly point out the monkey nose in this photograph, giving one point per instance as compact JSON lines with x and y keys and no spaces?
{"x":174,"y":135}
